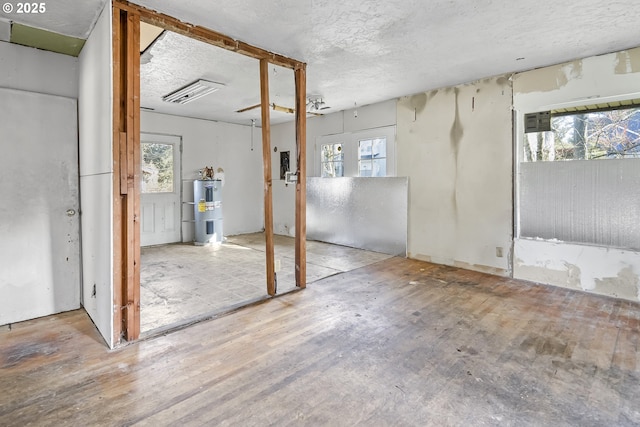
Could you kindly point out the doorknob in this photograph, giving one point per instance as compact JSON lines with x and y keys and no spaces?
{"x":71,"y":212}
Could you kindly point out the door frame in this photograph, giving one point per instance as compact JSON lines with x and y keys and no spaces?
{"x":126,"y":154}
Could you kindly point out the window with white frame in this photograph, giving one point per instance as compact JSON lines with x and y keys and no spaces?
{"x":372,"y":157}
{"x":367,"y":153}
{"x":332,"y":160}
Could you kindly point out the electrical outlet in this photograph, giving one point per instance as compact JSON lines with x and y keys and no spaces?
{"x":277,"y":265}
{"x":499,"y":251}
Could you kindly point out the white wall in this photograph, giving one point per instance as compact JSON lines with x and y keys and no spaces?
{"x":455,"y":145}
{"x":95,"y":106}
{"x":283,"y":137}
{"x":217,"y":144}
{"x":598,"y":269}
{"x":34,"y":70}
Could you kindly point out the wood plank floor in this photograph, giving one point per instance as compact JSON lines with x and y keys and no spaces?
{"x":398,"y":342}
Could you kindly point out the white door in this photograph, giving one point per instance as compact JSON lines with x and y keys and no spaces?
{"x":160,"y":190}
{"x":39,"y":220}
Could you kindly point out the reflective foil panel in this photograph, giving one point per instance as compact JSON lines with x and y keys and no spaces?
{"x":365,"y":213}
{"x":583,"y":201}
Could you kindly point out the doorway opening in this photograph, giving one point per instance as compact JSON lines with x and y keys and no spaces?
{"x":128,"y":123}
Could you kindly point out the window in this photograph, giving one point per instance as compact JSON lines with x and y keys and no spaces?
{"x":372,"y":157}
{"x":587,"y":135}
{"x":589,"y":201}
{"x":364,"y":153}
{"x":332,"y":159}
{"x":157,"y":167}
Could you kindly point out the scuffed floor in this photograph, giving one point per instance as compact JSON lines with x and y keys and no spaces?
{"x":396,"y":343}
{"x":181,"y":283}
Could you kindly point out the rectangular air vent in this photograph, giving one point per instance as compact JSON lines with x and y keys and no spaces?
{"x":537,"y":122}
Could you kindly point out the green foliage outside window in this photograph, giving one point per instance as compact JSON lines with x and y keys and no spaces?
{"x":157,"y":168}
{"x":610,"y":134}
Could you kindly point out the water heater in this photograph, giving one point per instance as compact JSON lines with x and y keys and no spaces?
{"x":207,"y":198}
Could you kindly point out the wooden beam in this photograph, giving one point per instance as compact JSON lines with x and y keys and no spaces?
{"x":126,"y":155}
{"x":134,"y":166}
{"x":126,"y":160}
{"x":242,"y":110}
{"x":266,"y":165}
{"x":301,"y":183}
{"x":119,"y":177}
{"x":206,"y":35}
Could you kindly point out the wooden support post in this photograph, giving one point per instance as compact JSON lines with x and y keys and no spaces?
{"x":126,"y":176}
{"x":126,"y":154}
{"x":134,"y":177}
{"x":301,"y":183}
{"x":119,"y":177}
{"x":266,"y":165}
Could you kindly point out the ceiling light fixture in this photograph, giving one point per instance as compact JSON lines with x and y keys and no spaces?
{"x":193,"y":91}
{"x":316,"y":103}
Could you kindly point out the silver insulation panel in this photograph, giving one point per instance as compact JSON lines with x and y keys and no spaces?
{"x":591,"y":201}
{"x":365,"y":213}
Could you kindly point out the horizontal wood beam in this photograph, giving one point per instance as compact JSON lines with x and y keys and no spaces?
{"x":206,"y":35}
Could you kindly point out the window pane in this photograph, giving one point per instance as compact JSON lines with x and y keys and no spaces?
{"x":332,"y":160}
{"x":326,"y":153}
{"x":331,"y":152}
{"x":379,"y":167}
{"x":326,"y":170}
{"x":364,"y":149}
{"x":332,"y":169}
{"x":157,"y":168}
{"x":379,"y":148}
{"x":365,"y":167}
{"x":372,"y":155}
{"x":611,"y":134}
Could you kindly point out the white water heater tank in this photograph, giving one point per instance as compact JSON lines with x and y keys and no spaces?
{"x":207,"y":198}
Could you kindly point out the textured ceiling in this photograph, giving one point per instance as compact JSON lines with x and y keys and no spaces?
{"x":368,"y":51}
{"x":362,"y":52}
{"x":174,"y":61}
{"x":74,"y":18}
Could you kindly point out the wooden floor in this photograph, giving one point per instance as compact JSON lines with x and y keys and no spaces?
{"x":398,"y":342}
{"x":182,"y":282}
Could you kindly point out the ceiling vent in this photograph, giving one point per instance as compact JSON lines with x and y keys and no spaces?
{"x":193,"y":91}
